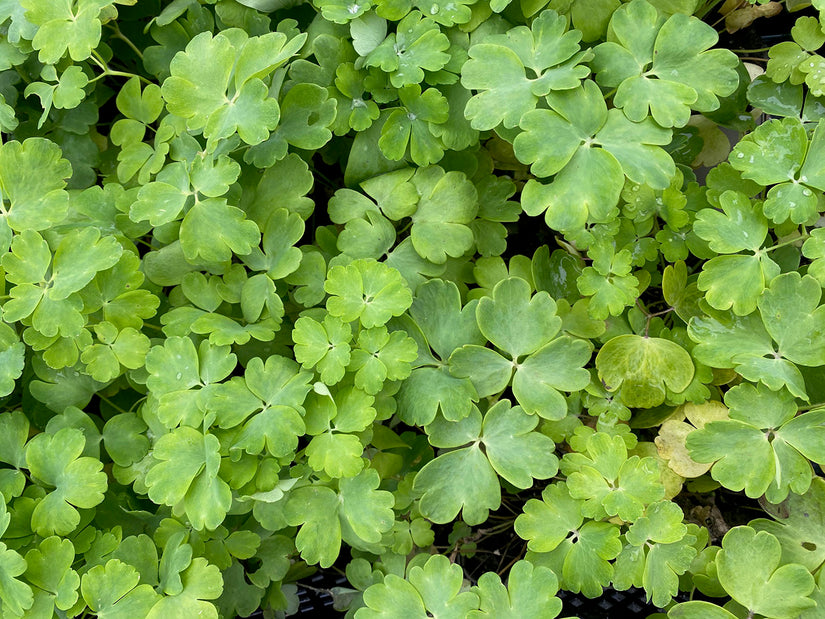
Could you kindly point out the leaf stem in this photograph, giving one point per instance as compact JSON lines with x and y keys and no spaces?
{"x":110,"y":403}
{"x":809,"y":407}
{"x":98,"y":60}
{"x":796,"y":239}
{"x":119,"y":34}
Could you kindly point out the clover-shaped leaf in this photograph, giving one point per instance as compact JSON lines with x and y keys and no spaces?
{"x":498,"y":70}
{"x":778,"y":153}
{"x":417,"y":45}
{"x":748,"y":557}
{"x":281,"y":387}
{"x":642,"y":45}
{"x":530,"y":591}
{"x":212,"y":230}
{"x":514,"y":321}
{"x":279,"y":257}
{"x":512,"y":450}
{"x":368,"y":291}
{"x":217,"y":85}
{"x":412,"y":125}
{"x":73,"y":26}
{"x":446,"y":325}
{"x":432,"y":589}
{"x":49,"y":568}
{"x":78,"y":481}
{"x":595,"y":150}
{"x":659,"y":550}
{"x":323,"y":345}
{"x":762,"y":448}
{"x":610,"y":482}
{"x":547,"y":522}
{"x":112,"y":589}
{"x":725,"y":340}
{"x":187,"y":471}
{"x":641,"y":370}
{"x":448,"y":203}
{"x":16,"y":595}
{"x":33,"y":175}
{"x":359,"y":511}
{"x":583,"y":561}
{"x":201,"y":581}
{"x":792,"y":315}
{"x":382,"y":356}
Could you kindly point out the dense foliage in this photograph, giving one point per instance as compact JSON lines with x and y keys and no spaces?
{"x":372,"y":285}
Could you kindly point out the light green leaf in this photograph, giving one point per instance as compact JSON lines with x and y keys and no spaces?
{"x":749,"y":569}
{"x":642,"y":369}
{"x":79,"y":482}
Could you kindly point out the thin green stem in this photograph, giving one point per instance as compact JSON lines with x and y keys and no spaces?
{"x":100,"y":62}
{"x":750,"y":51}
{"x":110,"y":403}
{"x":119,"y":34}
{"x":796,"y":239}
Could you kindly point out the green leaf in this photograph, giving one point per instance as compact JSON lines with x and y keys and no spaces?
{"x":413,"y":125}
{"x":778,"y":152}
{"x":797,"y":524}
{"x":217,"y":85}
{"x":61,"y":29}
{"x":642,"y":369}
{"x":547,"y":522}
{"x":315,"y":508}
{"x":201,"y":582}
{"x":530,"y":592}
{"x":578,"y":121}
{"x":748,"y":557}
{"x":323,"y":345}
{"x":445,"y":492}
{"x":609,"y":481}
{"x":16,"y":595}
{"x":365,"y":509}
{"x":738,"y":227}
{"x":515,"y":451}
{"x":583,"y":562}
{"x":429,"y":390}
{"x":498,"y":66}
{"x":791,"y":313}
{"x":762,"y":447}
{"x":676,"y":52}
{"x":78,"y":481}
{"x":448,"y":203}
{"x":660,"y":542}
{"x":49,"y":568}
{"x":437,"y":310}
{"x":382,"y":356}
{"x":33,"y":176}
{"x":12,"y":359}
{"x":557,"y":366}
{"x":112,"y":590}
{"x":416,"y":46}
{"x":212,"y":231}
{"x":515,"y":322}
{"x":368,"y":291}
{"x":187,"y":471}
{"x":433,"y":588}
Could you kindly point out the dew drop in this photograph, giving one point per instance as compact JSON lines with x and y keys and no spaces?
{"x":178,"y":376}
{"x":740,"y":155}
{"x":434,"y":9}
{"x":806,"y":192}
